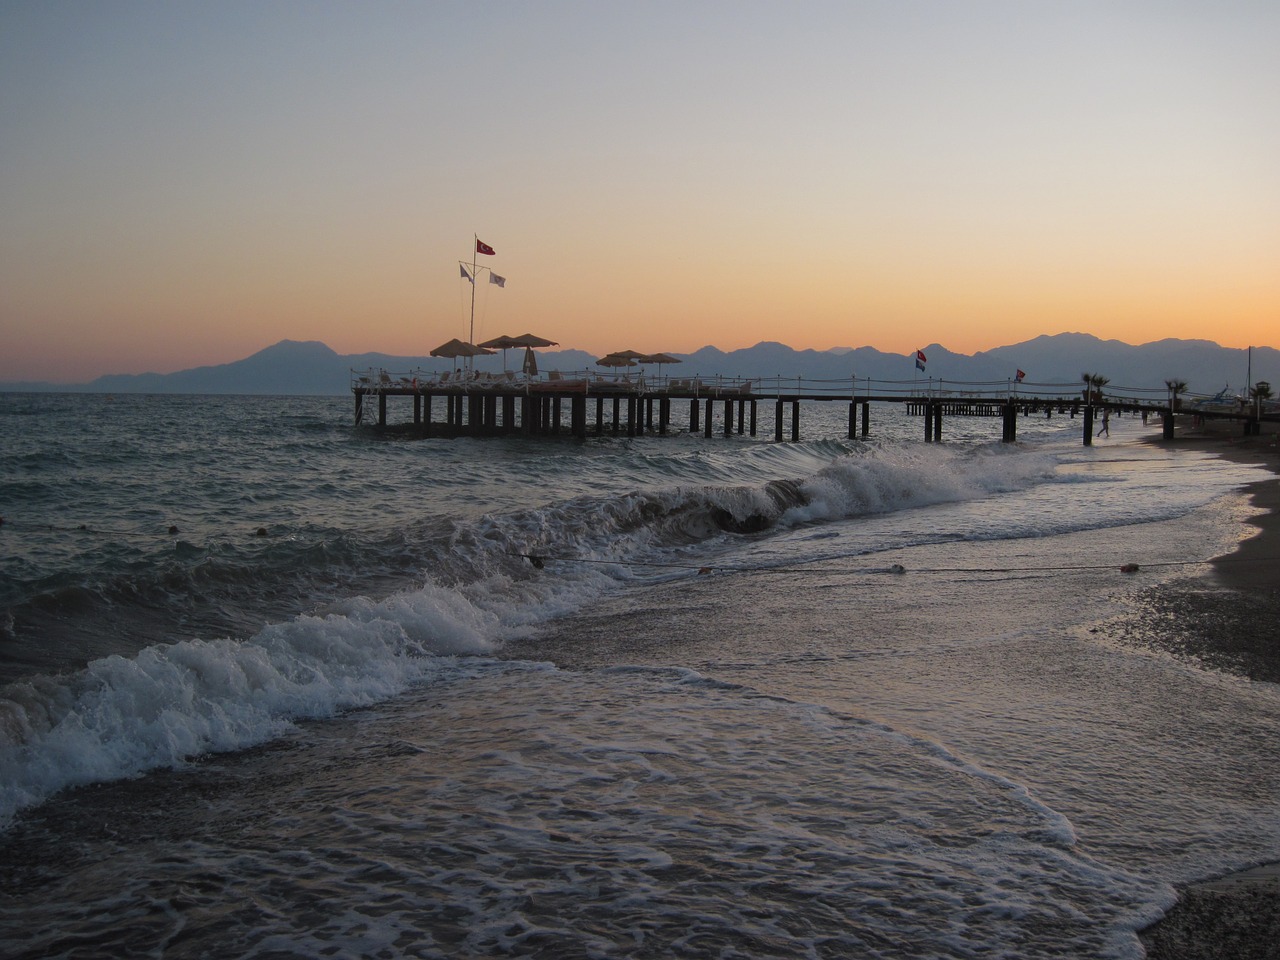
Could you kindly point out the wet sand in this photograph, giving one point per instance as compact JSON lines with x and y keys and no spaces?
{"x":1253,"y":566}
{"x":1229,"y":619}
{"x":1230,"y":918}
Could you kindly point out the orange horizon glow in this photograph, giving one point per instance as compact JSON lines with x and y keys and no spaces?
{"x":179,"y":192}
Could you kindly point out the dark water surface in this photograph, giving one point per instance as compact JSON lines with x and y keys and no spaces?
{"x":338,"y":711}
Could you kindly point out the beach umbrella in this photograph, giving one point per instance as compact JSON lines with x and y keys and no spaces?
{"x":659,"y":359}
{"x":460,"y":348}
{"x":531,"y":340}
{"x":627,"y":354}
{"x":525,"y":340}
{"x":615,"y":360}
{"x":503,"y":343}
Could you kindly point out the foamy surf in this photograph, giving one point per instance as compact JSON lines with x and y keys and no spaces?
{"x":707,"y":719}
{"x":121,"y":716}
{"x":485,"y":583}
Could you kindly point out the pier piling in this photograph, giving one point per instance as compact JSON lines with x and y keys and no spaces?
{"x":537,"y":408}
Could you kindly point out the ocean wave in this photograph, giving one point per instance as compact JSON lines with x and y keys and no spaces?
{"x":396,"y":603}
{"x":129,"y":588}
{"x":121,"y":716}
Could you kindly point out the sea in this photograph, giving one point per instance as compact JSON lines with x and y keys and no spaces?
{"x":275,"y":685}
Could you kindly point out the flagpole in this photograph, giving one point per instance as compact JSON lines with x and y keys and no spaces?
{"x":475,"y":247}
{"x":1248,"y":387}
{"x":475,"y":272}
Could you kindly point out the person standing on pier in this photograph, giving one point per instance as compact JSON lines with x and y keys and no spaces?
{"x":1105,"y":429}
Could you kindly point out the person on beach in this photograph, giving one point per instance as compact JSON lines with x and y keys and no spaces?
{"x":1105,"y":429}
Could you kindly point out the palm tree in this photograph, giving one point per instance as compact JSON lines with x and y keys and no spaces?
{"x":1175,"y":387}
{"x":1088,"y":379}
{"x":1094,"y":384}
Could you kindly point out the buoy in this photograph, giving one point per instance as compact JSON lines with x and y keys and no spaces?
{"x":537,"y":562}
{"x":1129,"y":568}
{"x":262,"y":531}
{"x":897,"y":568}
{"x":173,"y":528}
{"x":702,"y":570}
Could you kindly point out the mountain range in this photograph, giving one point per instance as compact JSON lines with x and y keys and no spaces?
{"x":293,"y":367}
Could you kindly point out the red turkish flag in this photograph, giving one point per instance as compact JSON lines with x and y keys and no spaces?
{"x":482,"y":247}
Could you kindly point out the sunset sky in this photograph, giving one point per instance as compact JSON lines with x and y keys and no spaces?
{"x":185,"y":183}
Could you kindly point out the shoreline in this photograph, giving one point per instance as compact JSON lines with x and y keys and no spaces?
{"x":1236,"y":916}
{"x":1245,"y":568}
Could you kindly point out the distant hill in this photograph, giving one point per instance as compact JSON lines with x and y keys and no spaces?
{"x":293,"y":367}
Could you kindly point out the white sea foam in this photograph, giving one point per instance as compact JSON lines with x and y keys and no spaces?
{"x":787,"y":762}
{"x":121,"y":716}
{"x":659,"y":810}
{"x":889,"y":479}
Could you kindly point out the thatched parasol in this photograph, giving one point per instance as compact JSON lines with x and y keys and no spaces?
{"x":615,"y":360}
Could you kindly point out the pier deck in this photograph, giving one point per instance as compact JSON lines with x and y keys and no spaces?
{"x":582,"y":405}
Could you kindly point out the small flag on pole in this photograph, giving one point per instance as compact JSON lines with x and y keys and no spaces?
{"x":920,"y":359}
{"x":1019,"y":377}
{"x":482,"y":247}
{"x":494,"y":278}
{"x":465,"y":275}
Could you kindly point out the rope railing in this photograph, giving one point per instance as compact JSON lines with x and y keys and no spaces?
{"x":854,"y":387}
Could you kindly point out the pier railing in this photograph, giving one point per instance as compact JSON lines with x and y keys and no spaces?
{"x":486,"y":404}
{"x":803,"y":388}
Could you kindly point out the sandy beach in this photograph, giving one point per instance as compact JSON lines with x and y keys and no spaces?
{"x":1227,"y":619}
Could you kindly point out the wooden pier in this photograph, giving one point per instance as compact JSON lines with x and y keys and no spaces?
{"x":580,"y":406}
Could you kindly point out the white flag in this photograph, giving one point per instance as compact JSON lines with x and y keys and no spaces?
{"x":494,"y":278}
{"x":465,"y":275}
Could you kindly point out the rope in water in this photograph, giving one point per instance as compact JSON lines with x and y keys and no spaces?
{"x":84,"y":528}
{"x":540,"y":560}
